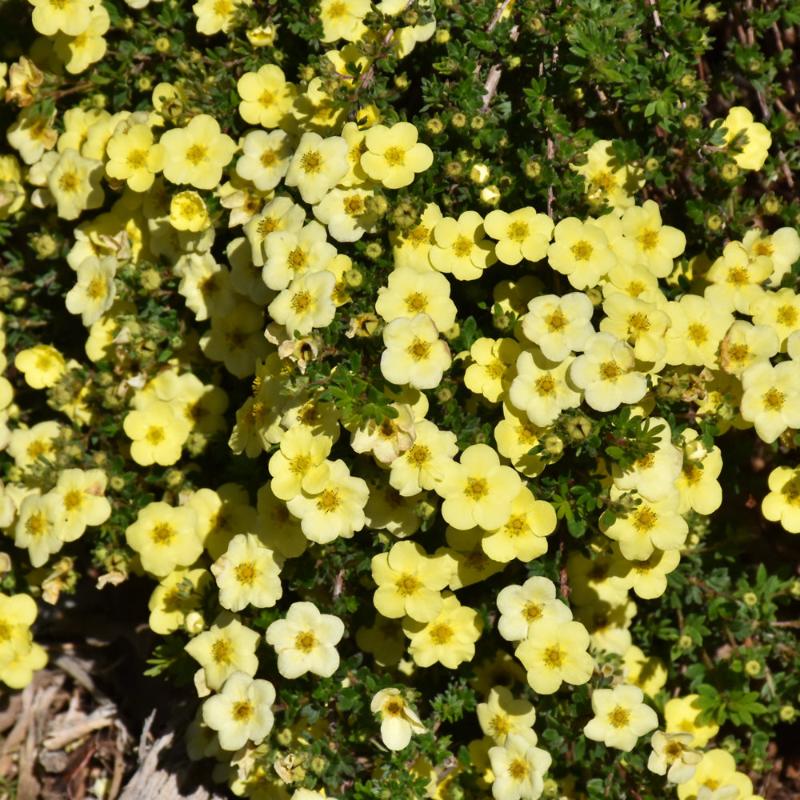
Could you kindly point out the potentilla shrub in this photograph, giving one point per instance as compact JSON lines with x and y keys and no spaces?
{"x":436,"y":366}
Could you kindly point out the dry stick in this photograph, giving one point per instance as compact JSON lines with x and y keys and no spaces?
{"x":657,"y":22}
{"x":497,"y":14}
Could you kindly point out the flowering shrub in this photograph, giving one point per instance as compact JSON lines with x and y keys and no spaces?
{"x":435,"y":366}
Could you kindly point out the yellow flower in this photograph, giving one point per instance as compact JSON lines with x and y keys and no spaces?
{"x":559,"y":325}
{"x":388,"y":439}
{"x":226,"y":647}
{"x":294,"y":252}
{"x":654,"y":475}
{"x":38,"y":527}
{"x":649,"y":525}
{"x":580,"y":251}
{"x":332,"y":505}
{"x":648,"y":577}
{"x":165,"y":537}
{"x":422,"y":465}
{"x":782,"y":504}
{"x":343,"y":19}
{"x":197,"y":153}
{"x":266,"y":96}
{"x":409,"y":582}
{"x":460,"y":246}
{"x":672,"y":756}
{"x":74,"y":182}
{"x":697,"y":329}
{"x":305,"y":641}
{"x":641,"y":324}
{"x":649,"y":674}
{"x":188,"y":212}
{"x":605,"y":372}
{"x":448,"y":639}
{"x":751,"y":139}
{"x":317,"y":165}
{"x":265,"y":160}
{"x":518,"y":768}
{"x":492,"y":363}
{"x":697,"y":484}
{"x":782,"y":247}
{"x":157,"y":433}
{"x":176,"y":595}
{"x":241,"y":712}
{"x":412,"y":247}
{"x":31,"y":134}
{"x":523,"y":534}
{"x":716,"y":777}
{"x":299,"y":463}
{"x":607,"y":180}
{"x":520,"y":234}
{"x":656,"y":245}
{"x":779,"y":310}
{"x":503,"y":715}
{"x":20,"y":656}
{"x":247,"y":574}
{"x":555,"y":651}
{"x":41,"y":365}
{"x":82,"y":502}
{"x":745,"y":344}
{"x":516,"y":435}
{"x":541,"y":389}
{"x":410,"y":292}
{"x":347,"y":213}
{"x":134,"y":157}
{"x":771,"y":398}
{"x":79,"y":52}
{"x":398,"y":720}
{"x":521,"y":606}
{"x":620,"y":717}
{"x":17,"y":614}
{"x":414,"y":354}
{"x":736,"y":279}
{"x":393,"y":155}
{"x":27,"y":445}
{"x":680,"y":716}
{"x":68,"y":16}
{"x":478,"y":491}
{"x":306,"y":303}
{"x":95,"y":290}
{"x":214,"y":16}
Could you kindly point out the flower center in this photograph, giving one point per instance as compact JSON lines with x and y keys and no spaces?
{"x":619,"y":717}
{"x":407,"y":584}
{"x":648,"y":239}
{"x":328,"y":501}
{"x":418,"y":349}
{"x":395,"y":156}
{"x":416,"y":302}
{"x":441,"y":633}
{"x":242,"y":711}
{"x":476,"y":488}
{"x":162,"y":533}
{"x":518,"y":231}
{"x":246,"y":573}
{"x":644,"y":519}
{"x":610,"y":371}
{"x":462,"y":246}
{"x":196,"y":153}
{"x":582,"y":250}
{"x":311,"y":162}
{"x":553,"y":657}
{"x":773,"y":399}
{"x":518,"y":769}
{"x":305,"y":641}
